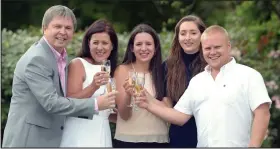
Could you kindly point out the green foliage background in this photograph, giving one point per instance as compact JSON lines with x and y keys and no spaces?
{"x":254,"y":28}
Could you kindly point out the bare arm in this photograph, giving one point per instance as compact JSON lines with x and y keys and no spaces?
{"x":166,"y":113}
{"x":76,"y":76}
{"x":169,"y":114}
{"x":166,"y":101}
{"x":260,"y":125}
{"x":259,"y":102}
{"x":123,"y":98}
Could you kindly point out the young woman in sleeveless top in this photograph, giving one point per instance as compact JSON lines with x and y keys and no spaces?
{"x":85,"y":79}
{"x":138,"y":127}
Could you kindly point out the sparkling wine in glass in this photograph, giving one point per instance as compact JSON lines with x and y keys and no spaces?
{"x":111,"y":86}
{"x":131,"y":77}
{"x":138,"y":87}
{"x":139,"y":83}
{"x":131,"y":80}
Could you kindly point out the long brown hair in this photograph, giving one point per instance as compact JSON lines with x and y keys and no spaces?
{"x":155,"y":64}
{"x":176,"y":69}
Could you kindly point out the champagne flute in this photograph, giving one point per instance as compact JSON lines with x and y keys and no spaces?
{"x":111,"y":86}
{"x":131,"y":77}
{"x":139,"y":86}
{"x":139,"y":83}
{"x":131,"y":80}
{"x":106,"y":66}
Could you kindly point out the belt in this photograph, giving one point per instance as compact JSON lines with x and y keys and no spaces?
{"x":84,"y":117}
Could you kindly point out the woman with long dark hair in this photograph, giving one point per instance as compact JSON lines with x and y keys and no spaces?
{"x":184,"y":62}
{"x":137,"y":127}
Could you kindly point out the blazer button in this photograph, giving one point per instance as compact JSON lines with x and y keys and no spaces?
{"x":61,"y":127}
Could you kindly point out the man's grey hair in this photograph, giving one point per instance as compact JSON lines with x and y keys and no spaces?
{"x":58,"y":10}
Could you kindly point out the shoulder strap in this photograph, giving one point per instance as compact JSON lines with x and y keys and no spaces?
{"x":82,"y":60}
{"x":133,"y":68}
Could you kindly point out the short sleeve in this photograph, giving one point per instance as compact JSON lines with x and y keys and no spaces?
{"x":257,"y":91}
{"x":184,"y":104}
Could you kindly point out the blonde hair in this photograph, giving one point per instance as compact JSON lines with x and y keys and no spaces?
{"x":215,"y":29}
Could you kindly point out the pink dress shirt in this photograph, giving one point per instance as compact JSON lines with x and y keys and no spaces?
{"x":61,"y":64}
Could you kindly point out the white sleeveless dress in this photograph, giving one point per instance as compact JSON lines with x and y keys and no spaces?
{"x":95,"y":132}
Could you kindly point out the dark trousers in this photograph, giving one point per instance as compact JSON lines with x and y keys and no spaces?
{"x":121,"y":144}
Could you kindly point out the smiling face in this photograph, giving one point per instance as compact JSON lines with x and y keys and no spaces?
{"x":189,"y":37}
{"x":216,"y":49}
{"x":59,"y":32}
{"x":100,"y":46}
{"x":143,"y":47}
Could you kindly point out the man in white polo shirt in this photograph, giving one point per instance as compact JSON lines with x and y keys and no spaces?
{"x":228,"y":100}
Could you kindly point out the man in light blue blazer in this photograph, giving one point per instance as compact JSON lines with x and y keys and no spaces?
{"x":38,"y":106}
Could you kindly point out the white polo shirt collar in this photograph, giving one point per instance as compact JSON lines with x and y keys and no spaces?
{"x":227,"y":66}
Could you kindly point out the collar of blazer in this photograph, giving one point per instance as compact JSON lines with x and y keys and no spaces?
{"x":51,"y":55}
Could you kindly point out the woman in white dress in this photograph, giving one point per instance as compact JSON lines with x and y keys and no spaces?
{"x":85,"y":79}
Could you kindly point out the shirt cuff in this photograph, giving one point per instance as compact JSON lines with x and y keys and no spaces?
{"x":96,"y":105}
{"x":257,"y":104}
